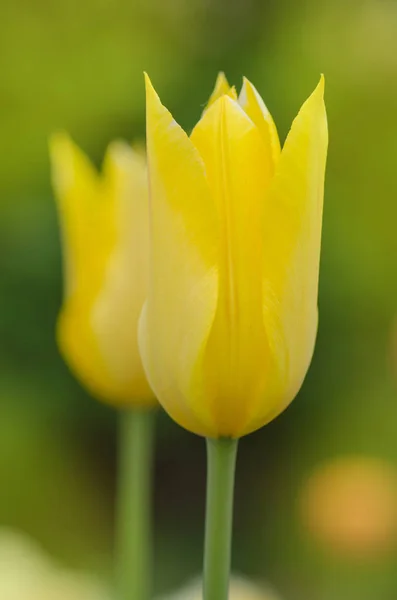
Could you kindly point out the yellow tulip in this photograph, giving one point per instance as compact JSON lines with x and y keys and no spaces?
{"x":240,"y":589}
{"x":28,"y":573}
{"x":229,"y":326}
{"x":104,"y":221}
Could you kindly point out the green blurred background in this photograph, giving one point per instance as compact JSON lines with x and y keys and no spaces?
{"x":78,"y":66}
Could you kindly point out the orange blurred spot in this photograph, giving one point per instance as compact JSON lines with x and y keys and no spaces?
{"x":350,"y":506}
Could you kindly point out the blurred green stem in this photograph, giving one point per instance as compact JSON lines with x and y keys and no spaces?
{"x":221,"y":465}
{"x":134,"y":504}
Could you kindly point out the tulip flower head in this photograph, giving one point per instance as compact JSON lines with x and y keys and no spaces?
{"x":228,"y":330}
{"x":104,"y":221}
{"x":240,"y":589}
{"x":27,"y":573}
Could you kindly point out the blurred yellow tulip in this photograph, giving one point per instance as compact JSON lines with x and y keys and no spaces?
{"x":228,"y":330}
{"x":27,"y":573}
{"x":104,"y":221}
{"x":240,"y":589}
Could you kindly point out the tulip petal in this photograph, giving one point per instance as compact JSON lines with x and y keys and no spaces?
{"x":183,"y":253}
{"x":251,"y":102}
{"x":77,"y":188}
{"x":237,"y":351}
{"x":117,"y":308}
{"x":292,"y":239}
{"x":222,"y":88}
{"x":86,"y":219}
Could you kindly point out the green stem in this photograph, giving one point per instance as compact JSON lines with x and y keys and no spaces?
{"x":134,"y":504}
{"x":221,"y":461}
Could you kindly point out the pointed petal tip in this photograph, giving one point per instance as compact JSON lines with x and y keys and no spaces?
{"x":153,"y":102}
{"x":59,"y":141}
{"x":244,"y":85}
{"x":119,"y":151}
{"x":248,"y":90}
{"x":120,"y":146}
{"x":151,"y":93}
{"x":233,"y":93}
{"x":221,"y":79}
{"x":246,"y":81}
{"x":148,"y":84}
{"x":123,"y":156}
{"x":221,"y":87}
{"x":224,"y":102}
{"x":62,"y":151}
{"x":316,"y":98}
{"x":68,"y":161}
{"x":321,"y":85}
{"x":229,"y":100}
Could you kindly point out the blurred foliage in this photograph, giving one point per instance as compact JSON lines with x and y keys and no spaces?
{"x":78,"y":66}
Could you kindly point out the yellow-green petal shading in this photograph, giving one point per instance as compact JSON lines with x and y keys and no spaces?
{"x":183,"y":280}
